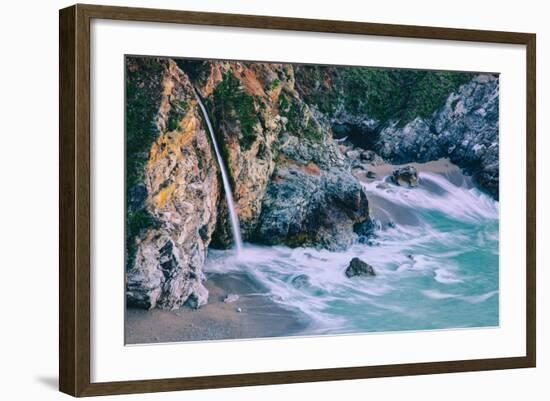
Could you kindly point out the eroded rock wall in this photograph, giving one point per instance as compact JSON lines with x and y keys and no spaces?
{"x":465,"y":130}
{"x":182,"y":189}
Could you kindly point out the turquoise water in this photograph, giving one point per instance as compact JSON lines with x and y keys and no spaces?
{"x":440,"y":271}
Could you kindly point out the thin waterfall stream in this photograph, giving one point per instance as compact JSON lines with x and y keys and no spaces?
{"x":233,"y":217}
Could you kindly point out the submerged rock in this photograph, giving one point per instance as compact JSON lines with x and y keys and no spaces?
{"x":405,"y":176}
{"x":357,"y":267}
{"x":366,"y":231}
{"x":301,"y":281}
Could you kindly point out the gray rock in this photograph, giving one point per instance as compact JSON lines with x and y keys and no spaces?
{"x":470,"y":120}
{"x":405,"y":176}
{"x":302,"y":209}
{"x":367,"y":156}
{"x":413,"y":142}
{"x":353,"y":154}
{"x":357,"y":267}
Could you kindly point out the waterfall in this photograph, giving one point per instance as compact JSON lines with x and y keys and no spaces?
{"x":234,"y":218}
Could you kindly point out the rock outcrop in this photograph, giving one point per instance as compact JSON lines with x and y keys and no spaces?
{"x":312,"y":199}
{"x":242,"y":100}
{"x":182,"y":188}
{"x":407,"y":116}
{"x":465,"y":130}
{"x":291,"y":184}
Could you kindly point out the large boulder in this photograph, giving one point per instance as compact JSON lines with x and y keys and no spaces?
{"x":413,"y":142}
{"x":357,"y":267}
{"x":312,"y":209}
{"x":312,"y":198}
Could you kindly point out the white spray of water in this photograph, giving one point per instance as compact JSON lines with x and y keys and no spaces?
{"x":234,"y":218}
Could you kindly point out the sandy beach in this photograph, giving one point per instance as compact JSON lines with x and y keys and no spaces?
{"x":252,"y":315}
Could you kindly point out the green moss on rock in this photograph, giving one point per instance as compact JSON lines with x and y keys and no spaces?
{"x":380,"y":94}
{"x":177,"y":112}
{"x":232,"y":103}
{"x":299,"y":121}
{"x":143,"y":96}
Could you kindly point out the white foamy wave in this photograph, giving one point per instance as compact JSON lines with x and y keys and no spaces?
{"x":435,"y":294}
{"x":313,"y":280}
{"x":476,"y":299}
{"x":460,"y":202}
{"x":445,"y":276}
{"x":473,"y":299}
{"x":432,"y":262}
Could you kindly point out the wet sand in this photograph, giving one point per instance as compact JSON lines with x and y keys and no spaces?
{"x":440,"y":166}
{"x":258,"y":317}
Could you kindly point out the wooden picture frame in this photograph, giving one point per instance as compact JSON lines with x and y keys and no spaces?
{"x":74,"y":199}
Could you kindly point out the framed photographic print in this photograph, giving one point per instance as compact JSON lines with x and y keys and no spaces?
{"x":250,"y":200}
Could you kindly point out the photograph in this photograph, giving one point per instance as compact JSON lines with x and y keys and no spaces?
{"x":268,"y":199}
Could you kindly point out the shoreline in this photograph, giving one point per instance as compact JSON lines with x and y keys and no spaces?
{"x":259,"y":316}
{"x":388,"y":213}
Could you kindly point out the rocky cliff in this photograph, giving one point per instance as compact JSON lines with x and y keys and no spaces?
{"x":291,"y":184}
{"x":180,"y":192}
{"x":465,"y":130}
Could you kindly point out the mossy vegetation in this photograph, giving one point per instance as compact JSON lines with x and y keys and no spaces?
{"x":284,"y":103}
{"x":143,"y":96}
{"x":299,"y":120}
{"x":381,"y":94}
{"x":232,"y":103}
{"x":274,"y":84}
{"x":177,"y":112}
